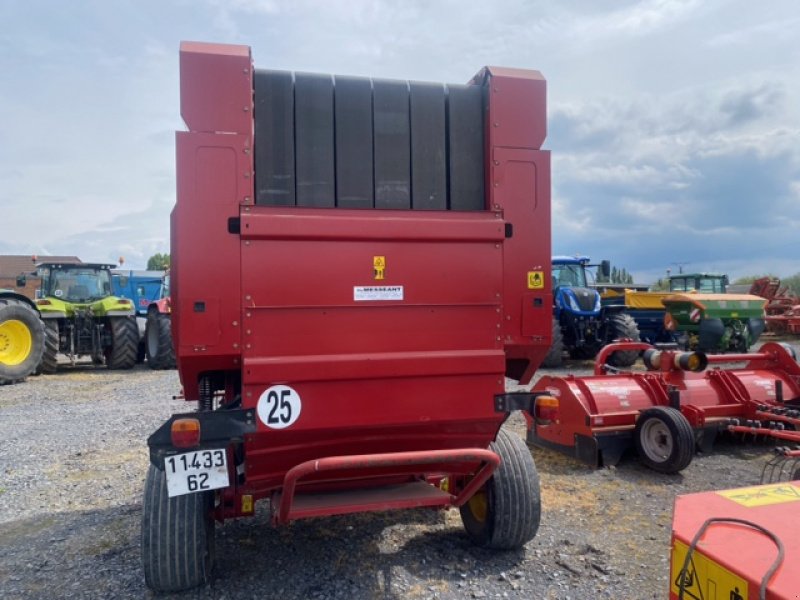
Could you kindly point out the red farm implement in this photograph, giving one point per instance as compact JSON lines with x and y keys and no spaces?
{"x":676,"y":404}
{"x":739,"y":544}
{"x":379,"y":254}
{"x":783,"y":306}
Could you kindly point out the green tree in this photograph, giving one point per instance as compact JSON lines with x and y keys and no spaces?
{"x":158,"y":262}
{"x":662,"y":285}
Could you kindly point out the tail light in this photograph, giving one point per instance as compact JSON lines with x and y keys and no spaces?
{"x":546,"y":409}
{"x":185,"y":433}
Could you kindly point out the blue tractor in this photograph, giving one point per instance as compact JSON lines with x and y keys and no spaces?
{"x":581,"y":324}
{"x":143,"y":288}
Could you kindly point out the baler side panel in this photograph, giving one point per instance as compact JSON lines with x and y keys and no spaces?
{"x":214,"y":177}
{"x":519,"y":189}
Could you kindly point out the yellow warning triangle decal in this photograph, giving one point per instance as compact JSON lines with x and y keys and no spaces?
{"x":691,"y":585}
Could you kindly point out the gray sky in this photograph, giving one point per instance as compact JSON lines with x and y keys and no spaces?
{"x":674,"y":124}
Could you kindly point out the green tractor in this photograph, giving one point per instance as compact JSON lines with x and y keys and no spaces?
{"x":21,"y":336}
{"x":82,"y":318}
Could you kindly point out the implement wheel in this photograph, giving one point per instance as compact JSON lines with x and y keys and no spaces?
{"x":158,"y":341}
{"x":177,"y":536}
{"x":504,"y":514}
{"x":21,"y":340}
{"x":664,"y":439}
{"x":554,"y":357}
{"x":124,"y":343}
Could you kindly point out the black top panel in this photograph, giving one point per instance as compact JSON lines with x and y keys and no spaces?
{"x":354,"y":142}
{"x":274,"y":137}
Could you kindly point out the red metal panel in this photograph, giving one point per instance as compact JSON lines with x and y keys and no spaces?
{"x":217,"y":88}
{"x":205,"y":279}
{"x":517,"y":107}
{"x":519,"y":190}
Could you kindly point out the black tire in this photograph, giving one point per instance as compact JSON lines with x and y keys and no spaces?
{"x":586,"y":352}
{"x":49,"y":362}
{"x":555,"y":355}
{"x":664,"y":439}
{"x":177,"y":536}
{"x":505,"y":513}
{"x":623,"y":326}
{"x":124,"y":342}
{"x":21,"y":340}
{"x":158,"y":341}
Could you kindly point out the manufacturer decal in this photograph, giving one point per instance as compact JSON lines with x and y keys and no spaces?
{"x":377,"y":292}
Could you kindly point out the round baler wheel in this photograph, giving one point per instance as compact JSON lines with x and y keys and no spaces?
{"x":177,"y":536}
{"x":49,"y":362}
{"x":554,"y":357}
{"x":124,"y":341}
{"x":504,"y":514}
{"x":664,"y":439}
{"x":21,"y":340}
{"x":158,"y":341}
{"x":623,"y":326}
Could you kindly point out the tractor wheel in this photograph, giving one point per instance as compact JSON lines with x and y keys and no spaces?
{"x":664,"y":439}
{"x":504,"y":514}
{"x":586,"y":352}
{"x":623,"y":326}
{"x":177,"y":536}
{"x":21,"y":340}
{"x":49,"y":363}
{"x":158,"y":341}
{"x":124,"y":341}
{"x":554,"y":357}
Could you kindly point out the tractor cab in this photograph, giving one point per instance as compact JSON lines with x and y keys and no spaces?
{"x":571,"y":291}
{"x":706,"y":283}
{"x":77,"y":284}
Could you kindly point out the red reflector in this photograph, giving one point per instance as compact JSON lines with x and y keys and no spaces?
{"x":123,"y":301}
{"x":43,"y":302}
{"x":185,"y":433}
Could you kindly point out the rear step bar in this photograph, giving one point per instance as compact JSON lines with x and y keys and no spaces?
{"x":407,"y":495}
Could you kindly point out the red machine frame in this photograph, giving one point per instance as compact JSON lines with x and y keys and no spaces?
{"x":393,"y":393}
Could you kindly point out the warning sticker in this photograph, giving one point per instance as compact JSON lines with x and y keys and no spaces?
{"x":378,"y":292}
{"x":535,"y":280}
{"x":763,"y":495}
{"x":379,"y":267}
{"x":703,"y":578}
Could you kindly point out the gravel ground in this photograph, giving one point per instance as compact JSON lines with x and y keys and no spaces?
{"x":73,"y":458}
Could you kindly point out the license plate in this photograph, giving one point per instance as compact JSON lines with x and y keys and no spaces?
{"x":196,"y":471}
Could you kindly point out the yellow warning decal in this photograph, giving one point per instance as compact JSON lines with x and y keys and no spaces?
{"x":535,"y":280}
{"x":703,"y":578}
{"x":379,"y":266}
{"x":763,"y":495}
